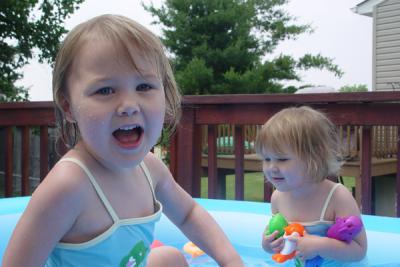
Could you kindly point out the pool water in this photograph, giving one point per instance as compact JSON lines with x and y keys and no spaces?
{"x":255,"y":258}
{"x":383,"y":234}
{"x":243,"y":222}
{"x":252,"y":257}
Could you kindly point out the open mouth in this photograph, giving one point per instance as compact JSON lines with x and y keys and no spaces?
{"x":128,"y":136}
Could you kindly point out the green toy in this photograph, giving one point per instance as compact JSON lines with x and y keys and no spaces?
{"x":277,"y":223}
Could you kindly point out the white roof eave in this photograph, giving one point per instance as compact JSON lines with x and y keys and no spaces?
{"x":366,"y":7}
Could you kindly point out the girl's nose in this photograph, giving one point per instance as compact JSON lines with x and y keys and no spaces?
{"x":272,"y":167}
{"x":269,"y":167}
{"x":128,"y":107}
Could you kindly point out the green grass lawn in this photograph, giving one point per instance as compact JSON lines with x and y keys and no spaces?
{"x":253,"y":186}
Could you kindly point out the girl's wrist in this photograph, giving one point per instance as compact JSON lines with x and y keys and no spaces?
{"x":322,"y":245}
{"x":235,"y":261}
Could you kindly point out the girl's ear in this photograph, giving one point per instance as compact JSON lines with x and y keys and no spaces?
{"x":66,"y":106}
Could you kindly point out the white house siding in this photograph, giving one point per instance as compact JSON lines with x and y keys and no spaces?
{"x":387,"y":45}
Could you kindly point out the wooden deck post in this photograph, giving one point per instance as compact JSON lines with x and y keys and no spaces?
{"x":9,"y":162}
{"x":267,"y":192}
{"x":25,"y":161}
{"x":212,"y":169}
{"x":397,"y":192}
{"x":44,"y":152}
{"x":172,"y":154}
{"x":239,"y":162}
{"x":187,"y":162}
{"x":364,"y":182}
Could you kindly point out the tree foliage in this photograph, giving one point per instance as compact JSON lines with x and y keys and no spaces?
{"x":218,"y":46}
{"x":354,"y":88}
{"x":29,"y":28}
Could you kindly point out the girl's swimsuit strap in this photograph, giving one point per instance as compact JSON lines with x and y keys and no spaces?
{"x":96,"y":186}
{"x":328,"y":199}
{"x":149,"y":180}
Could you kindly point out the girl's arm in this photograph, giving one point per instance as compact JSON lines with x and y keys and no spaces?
{"x":344,"y":205}
{"x":194,"y":221}
{"x":334,"y":249}
{"x":52,"y":210}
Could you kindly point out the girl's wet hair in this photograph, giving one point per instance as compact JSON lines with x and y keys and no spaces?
{"x":309,"y":134}
{"x":130,"y":40}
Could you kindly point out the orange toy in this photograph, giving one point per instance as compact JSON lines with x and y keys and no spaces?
{"x":289,"y":249}
{"x":193,"y":250}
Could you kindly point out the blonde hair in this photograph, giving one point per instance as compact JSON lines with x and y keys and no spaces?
{"x":130,"y":38}
{"x":309,"y":134}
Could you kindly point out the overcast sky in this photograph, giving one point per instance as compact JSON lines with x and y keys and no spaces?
{"x":338,"y":33}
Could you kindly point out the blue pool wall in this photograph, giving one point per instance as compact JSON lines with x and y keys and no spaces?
{"x":243,"y":222}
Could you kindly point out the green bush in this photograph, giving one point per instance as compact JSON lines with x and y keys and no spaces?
{"x":354,"y":88}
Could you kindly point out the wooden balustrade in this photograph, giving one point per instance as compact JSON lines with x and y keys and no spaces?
{"x":25,"y":116}
{"x":356,"y":109}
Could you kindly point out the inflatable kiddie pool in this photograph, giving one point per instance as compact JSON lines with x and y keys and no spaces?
{"x":243,"y":222}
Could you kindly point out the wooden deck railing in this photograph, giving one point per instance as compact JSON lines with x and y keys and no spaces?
{"x":25,"y":116}
{"x":358,"y":109}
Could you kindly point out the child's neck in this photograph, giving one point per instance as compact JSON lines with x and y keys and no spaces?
{"x":307,"y":190}
{"x":81,"y":150}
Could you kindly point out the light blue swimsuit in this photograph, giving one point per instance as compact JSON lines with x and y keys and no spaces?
{"x":126,"y":243}
{"x":321,"y":227}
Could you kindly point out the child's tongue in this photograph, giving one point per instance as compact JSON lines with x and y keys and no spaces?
{"x":127,"y":136}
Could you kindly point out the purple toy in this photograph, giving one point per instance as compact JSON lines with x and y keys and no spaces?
{"x":344,"y":229}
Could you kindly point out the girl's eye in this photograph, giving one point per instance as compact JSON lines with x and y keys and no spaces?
{"x":105,"y":91}
{"x":144,"y":87}
{"x":267,"y":159}
{"x":282,"y":159}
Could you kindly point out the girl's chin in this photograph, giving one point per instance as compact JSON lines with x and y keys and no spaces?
{"x":125,"y":162}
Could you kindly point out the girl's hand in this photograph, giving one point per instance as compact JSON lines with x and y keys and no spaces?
{"x":307,"y":246}
{"x":270,"y":244}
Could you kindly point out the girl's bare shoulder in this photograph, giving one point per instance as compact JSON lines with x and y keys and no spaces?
{"x":343,"y":202}
{"x":156,"y":166}
{"x":65,"y":183}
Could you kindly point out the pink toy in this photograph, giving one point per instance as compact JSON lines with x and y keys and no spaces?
{"x":345,"y":229}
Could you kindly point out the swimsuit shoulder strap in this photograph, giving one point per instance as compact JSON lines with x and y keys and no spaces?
{"x":328,"y":199}
{"x":150,"y":181}
{"x":96,"y":186}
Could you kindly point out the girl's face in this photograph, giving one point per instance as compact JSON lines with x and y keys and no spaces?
{"x":119,"y":111}
{"x":285,"y":171}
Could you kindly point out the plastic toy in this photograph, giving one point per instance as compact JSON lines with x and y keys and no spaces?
{"x":344,"y":229}
{"x":289,"y":248}
{"x":193,"y":250}
{"x":277,"y":223}
{"x":156,"y":243}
